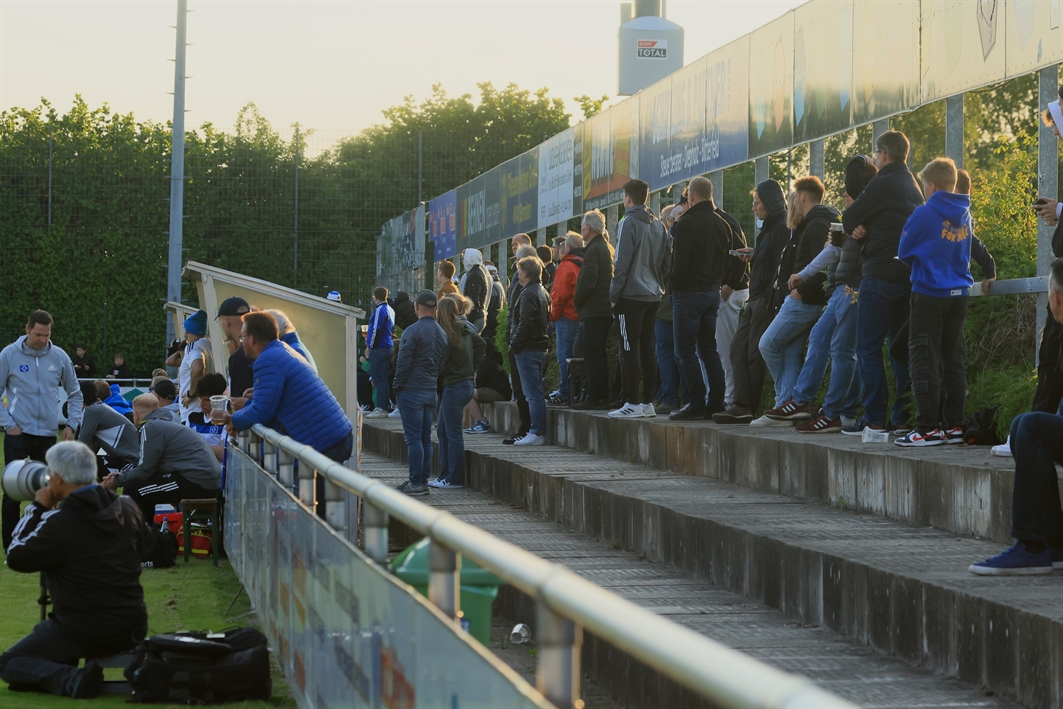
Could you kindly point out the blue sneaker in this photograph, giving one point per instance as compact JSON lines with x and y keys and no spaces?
{"x":479,"y":427}
{"x":1016,"y":561}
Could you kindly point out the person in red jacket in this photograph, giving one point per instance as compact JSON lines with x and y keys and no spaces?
{"x":563,"y":308}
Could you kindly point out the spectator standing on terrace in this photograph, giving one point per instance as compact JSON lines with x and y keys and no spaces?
{"x":422,"y":351}
{"x":877,"y":217}
{"x":378,"y":348}
{"x":700,"y":264}
{"x":84,"y":367}
{"x":563,"y":309}
{"x":545,"y":254}
{"x":476,"y":286}
{"x":592,"y":305}
{"x":769,"y":206}
{"x":289,"y":336}
{"x":445,"y":278}
{"x":463,"y":356}
{"x":120,"y":370}
{"x":1049,"y":390}
{"x":834,"y":334}
{"x":515,"y":289}
{"x":936,"y":245}
{"x":642,"y":260}
{"x":404,"y":310}
{"x":495,"y":301}
{"x":193,"y":360}
{"x":783,"y":343}
{"x":1036,"y":441}
{"x":733,"y":295}
{"x":32,"y":369}
{"x":528,"y":346}
{"x":230,"y":316}
{"x":667,"y":399}
{"x":88,"y":551}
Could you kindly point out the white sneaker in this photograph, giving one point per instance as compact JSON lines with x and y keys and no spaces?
{"x":377,"y":414}
{"x":627,"y":411}
{"x":765,"y":421}
{"x":530,"y":440}
{"x":648,"y":411}
{"x":1003,"y":450}
{"x":394,"y":413}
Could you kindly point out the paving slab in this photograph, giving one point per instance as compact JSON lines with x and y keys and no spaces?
{"x":842,"y":666}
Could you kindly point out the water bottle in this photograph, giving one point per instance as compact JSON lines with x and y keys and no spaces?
{"x":520,"y":634}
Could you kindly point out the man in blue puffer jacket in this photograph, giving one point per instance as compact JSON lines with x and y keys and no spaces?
{"x":288,"y":392}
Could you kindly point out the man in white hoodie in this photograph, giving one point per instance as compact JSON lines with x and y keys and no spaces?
{"x":475,"y":285}
{"x":31,"y":371}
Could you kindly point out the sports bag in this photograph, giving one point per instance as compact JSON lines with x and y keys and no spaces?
{"x":201,"y":668}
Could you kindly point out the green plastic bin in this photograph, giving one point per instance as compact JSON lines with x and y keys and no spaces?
{"x":478,"y":587}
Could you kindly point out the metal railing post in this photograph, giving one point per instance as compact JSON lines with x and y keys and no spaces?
{"x":269,"y":458}
{"x":557,"y":673}
{"x":375,"y":531}
{"x":259,"y":450}
{"x":307,"y":487}
{"x":243,"y":439}
{"x":285,"y":468}
{"x":335,"y":505}
{"x":443,"y":573}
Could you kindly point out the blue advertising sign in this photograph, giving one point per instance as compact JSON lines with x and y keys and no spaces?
{"x":655,"y":109}
{"x":726,"y":106}
{"x":443,"y":224}
{"x":520,"y":194}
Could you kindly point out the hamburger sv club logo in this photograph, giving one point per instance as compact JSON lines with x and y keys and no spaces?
{"x":23,"y":368}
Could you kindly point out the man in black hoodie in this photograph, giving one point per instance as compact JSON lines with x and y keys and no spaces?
{"x":769,"y":205}
{"x":877,"y":217}
{"x":89,"y":551}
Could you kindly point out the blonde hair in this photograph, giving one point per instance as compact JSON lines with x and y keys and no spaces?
{"x":941,"y":173}
{"x":146,"y":403}
{"x":284,"y":325}
{"x":447,"y":316}
{"x":793,"y":219}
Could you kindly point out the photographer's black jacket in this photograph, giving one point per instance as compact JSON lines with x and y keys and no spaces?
{"x":89,"y":549}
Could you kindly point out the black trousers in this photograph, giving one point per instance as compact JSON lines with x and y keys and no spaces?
{"x":46,"y":660}
{"x":595,"y":358}
{"x":518,"y":395}
{"x":1037,"y":444}
{"x":747,"y":363}
{"x":165,"y":488}
{"x":1049,"y":390}
{"x":637,"y":320}
{"x":15,"y":448}
{"x":937,"y":360}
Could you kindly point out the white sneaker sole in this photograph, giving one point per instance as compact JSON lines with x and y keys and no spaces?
{"x":1022,"y":571}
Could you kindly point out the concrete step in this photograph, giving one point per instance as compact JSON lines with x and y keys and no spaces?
{"x":958,"y":489}
{"x":845,"y":667}
{"x":902,"y":590}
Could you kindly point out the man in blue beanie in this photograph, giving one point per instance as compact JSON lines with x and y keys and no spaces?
{"x":193,"y":361}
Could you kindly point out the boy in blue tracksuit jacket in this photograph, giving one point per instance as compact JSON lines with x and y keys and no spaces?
{"x":378,"y":346}
{"x":936,"y":244}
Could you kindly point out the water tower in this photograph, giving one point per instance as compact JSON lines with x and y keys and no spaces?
{"x":650,"y":47}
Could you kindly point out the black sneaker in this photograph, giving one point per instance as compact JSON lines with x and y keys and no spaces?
{"x":413,"y":489}
{"x":954,"y":436}
{"x":857,"y":428}
{"x":556,"y":399}
{"x":914,"y":439}
{"x":87,"y":682}
{"x":899,"y":429}
{"x":733,"y":416}
{"x":511,"y":441}
{"x":591,"y":405}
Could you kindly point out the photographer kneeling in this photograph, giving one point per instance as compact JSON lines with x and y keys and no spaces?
{"x":89,"y":552}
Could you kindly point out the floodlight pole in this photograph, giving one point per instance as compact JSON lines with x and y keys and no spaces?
{"x":177,"y":168}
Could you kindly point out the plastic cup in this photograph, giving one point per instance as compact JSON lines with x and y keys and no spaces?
{"x":219,"y":406}
{"x":872,"y":436}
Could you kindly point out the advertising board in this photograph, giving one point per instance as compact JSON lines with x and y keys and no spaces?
{"x":443,"y":224}
{"x":771,"y":87}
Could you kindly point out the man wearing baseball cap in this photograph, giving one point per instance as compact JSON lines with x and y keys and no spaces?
{"x":229,"y":317}
{"x":421,"y":351}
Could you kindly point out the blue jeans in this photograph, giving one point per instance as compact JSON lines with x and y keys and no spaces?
{"x":566,"y":336}
{"x":883,"y":308}
{"x":833,"y":338}
{"x":448,"y":430}
{"x":783,"y":342}
{"x":416,"y":407}
{"x":379,"y":370}
{"x":530,"y":368}
{"x":667,"y":364}
{"x":694,"y":330}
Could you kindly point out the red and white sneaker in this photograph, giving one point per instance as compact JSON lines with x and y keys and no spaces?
{"x":914,"y":439}
{"x":954,"y":435}
{"x":790,"y":411}
{"x":820,"y":424}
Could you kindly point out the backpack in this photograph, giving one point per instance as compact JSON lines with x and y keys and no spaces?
{"x":201,"y":667}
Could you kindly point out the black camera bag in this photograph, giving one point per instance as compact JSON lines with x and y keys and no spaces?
{"x":192,"y":668}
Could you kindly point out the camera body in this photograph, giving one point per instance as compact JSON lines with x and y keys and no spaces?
{"x":23,"y":478}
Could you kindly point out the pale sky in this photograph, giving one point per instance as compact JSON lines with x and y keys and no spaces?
{"x":327,"y":65}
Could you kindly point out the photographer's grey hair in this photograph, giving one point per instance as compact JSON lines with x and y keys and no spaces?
{"x":72,"y":461}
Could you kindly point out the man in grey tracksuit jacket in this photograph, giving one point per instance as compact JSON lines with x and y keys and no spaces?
{"x":175,"y":463}
{"x":30,"y":378}
{"x":643,"y":258}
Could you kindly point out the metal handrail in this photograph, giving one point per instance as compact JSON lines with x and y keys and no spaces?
{"x":716,"y":672}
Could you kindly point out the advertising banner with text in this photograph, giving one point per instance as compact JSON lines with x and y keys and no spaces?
{"x":610,"y":153}
{"x":556,"y":162}
{"x":443,"y":225}
{"x":519,"y":198}
{"x":771,"y":87}
{"x":472,"y":221}
{"x":885,"y":63}
{"x":823,"y":69}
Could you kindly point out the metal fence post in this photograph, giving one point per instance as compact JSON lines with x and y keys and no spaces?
{"x":244,"y":441}
{"x":269,"y":458}
{"x":443,"y":574}
{"x":1047,"y":186}
{"x":335,"y":505}
{"x":375,"y":531}
{"x":307,"y":487}
{"x":285,"y":468}
{"x":558,"y":670}
{"x":954,"y":129}
{"x":816,"y":151}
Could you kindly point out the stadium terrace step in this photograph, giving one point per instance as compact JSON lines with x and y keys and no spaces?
{"x":902,"y":590}
{"x":958,"y":489}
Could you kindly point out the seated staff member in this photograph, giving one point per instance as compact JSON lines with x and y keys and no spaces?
{"x":214,"y":434}
{"x":103,"y":427}
{"x":175,"y":462}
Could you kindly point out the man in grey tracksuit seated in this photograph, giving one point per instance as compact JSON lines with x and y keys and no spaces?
{"x":175,"y":462}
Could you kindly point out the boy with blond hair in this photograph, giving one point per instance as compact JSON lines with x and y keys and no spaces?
{"x":936,"y":243}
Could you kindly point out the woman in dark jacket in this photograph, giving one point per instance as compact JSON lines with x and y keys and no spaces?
{"x":476,"y":286}
{"x":465,"y":352}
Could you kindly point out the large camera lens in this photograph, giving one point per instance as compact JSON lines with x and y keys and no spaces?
{"x":23,"y":478}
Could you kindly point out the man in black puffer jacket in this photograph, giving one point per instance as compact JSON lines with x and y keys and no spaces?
{"x":798,"y":308}
{"x":528,"y":345}
{"x":89,"y":551}
{"x":877,"y":218}
{"x":592,"y":306}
